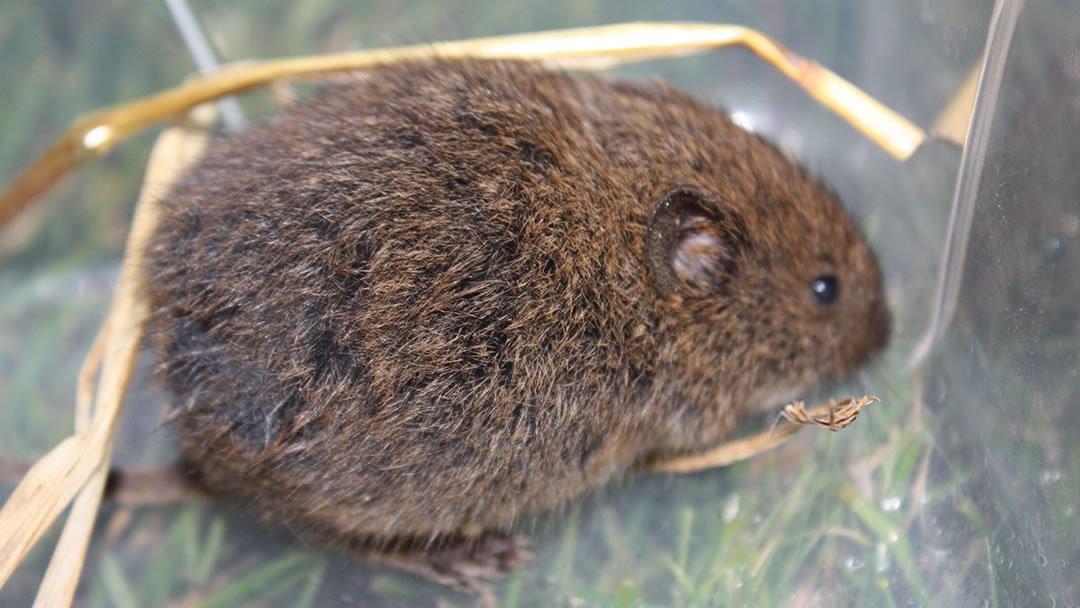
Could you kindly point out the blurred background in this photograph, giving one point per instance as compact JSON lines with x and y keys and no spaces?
{"x":961,"y":489}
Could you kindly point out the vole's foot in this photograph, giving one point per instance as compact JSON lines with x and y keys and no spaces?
{"x":468,"y":564}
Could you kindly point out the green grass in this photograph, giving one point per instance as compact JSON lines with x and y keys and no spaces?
{"x":949,"y":493}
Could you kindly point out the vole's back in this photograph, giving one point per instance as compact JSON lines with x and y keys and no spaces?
{"x":418,"y":295}
{"x":419,"y":304}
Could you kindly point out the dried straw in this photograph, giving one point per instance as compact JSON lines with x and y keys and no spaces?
{"x":584,"y":48}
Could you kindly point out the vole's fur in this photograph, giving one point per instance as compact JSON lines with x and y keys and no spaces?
{"x":431,"y":302}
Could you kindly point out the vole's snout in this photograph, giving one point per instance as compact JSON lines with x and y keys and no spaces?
{"x":880,"y":327}
{"x":872,"y":336}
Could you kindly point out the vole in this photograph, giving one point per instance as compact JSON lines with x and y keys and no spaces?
{"x":453,"y":294}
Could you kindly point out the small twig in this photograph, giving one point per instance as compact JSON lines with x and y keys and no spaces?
{"x":833,"y":416}
{"x":132,"y":487}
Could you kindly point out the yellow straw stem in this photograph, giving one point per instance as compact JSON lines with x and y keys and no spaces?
{"x":584,"y":48}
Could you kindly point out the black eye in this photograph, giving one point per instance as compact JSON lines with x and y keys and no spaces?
{"x":825,"y":288}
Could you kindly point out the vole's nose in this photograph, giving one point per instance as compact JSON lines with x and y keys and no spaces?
{"x":879,"y":329}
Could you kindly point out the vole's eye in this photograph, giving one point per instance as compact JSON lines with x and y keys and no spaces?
{"x":825,"y":288}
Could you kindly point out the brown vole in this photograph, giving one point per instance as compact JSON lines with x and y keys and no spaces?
{"x":457,"y":293}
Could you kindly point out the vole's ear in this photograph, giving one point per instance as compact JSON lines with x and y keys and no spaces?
{"x":692,"y":243}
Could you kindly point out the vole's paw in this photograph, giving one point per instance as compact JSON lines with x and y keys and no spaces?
{"x":468,"y":564}
{"x":471,"y":564}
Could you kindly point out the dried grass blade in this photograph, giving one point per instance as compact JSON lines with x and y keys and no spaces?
{"x":834,"y":416}
{"x":583,"y":48}
{"x":81,"y":461}
{"x":175,"y":150}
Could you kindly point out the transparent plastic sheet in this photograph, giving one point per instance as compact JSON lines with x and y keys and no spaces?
{"x":1004,"y":379}
{"x":956,"y":492}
